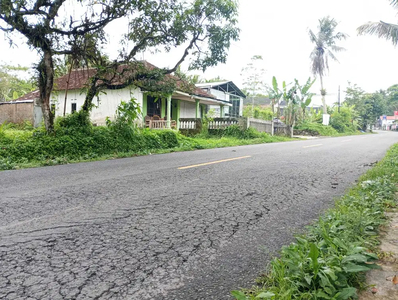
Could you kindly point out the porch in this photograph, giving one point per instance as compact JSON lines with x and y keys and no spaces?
{"x":166,"y":112}
{"x":157,"y":122}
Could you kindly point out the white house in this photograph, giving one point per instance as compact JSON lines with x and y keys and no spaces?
{"x":388,"y":122}
{"x":228,"y":92}
{"x":224,"y":97}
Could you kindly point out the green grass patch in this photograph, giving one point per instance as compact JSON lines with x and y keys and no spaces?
{"x":330,"y":260}
{"x":322,"y":130}
{"x":76,"y":140}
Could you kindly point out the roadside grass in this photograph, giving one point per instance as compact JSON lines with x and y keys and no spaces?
{"x":75,"y":140}
{"x":330,"y":260}
{"x":321,"y":130}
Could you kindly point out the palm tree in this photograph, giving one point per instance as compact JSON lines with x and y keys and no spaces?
{"x":382,"y":29}
{"x":325,"y":46}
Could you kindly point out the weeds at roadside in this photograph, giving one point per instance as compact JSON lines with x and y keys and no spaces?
{"x":330,"y":260}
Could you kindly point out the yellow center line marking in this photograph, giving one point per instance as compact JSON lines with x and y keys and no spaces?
{"x":317,"y":145}
{"x":212,"y":162}
{"x":346,"y":141}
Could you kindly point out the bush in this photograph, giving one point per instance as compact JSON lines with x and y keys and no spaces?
{"x":236,"y":132}
{"x":78,"y":121}
{"x":317,"y":129}
{"x":76,"y":139}
{"x":342,"y":121}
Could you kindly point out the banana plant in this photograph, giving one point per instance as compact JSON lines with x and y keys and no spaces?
{"x":274,"y":93}
{"x":305,"y":97}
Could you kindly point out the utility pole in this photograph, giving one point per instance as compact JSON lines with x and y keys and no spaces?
{"x":339,"y":99}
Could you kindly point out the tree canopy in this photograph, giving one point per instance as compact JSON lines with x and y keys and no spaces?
{"x":13,"y":83}
{"x":368,"y":106}
{"x":203,"y":29}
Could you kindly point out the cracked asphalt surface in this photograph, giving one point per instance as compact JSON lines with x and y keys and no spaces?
{"x":140,"y":228}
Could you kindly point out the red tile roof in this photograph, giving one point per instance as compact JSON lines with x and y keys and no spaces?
{"x":390,"y":118}
{"x":79,"y":78}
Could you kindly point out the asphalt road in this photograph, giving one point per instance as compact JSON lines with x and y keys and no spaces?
{"x":143,"y":228}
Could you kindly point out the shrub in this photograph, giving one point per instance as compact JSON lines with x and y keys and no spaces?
{"x":342,"y":121}
{"x":317,"y":129}
{"x":237,"y":132}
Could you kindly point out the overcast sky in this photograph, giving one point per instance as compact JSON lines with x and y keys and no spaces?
{"x":278,"y":31}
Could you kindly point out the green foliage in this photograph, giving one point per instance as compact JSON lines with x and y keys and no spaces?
{"x":236,"y":132}
{"x":392,"y":99}
{"x":298,"y":98}
{"x":328,"y":262}
{"x":126,"y":114}
{"x":12,"y":84}
{"x":75,"y":139}
{"x":262,"y":113}
{"x":317,"y":129}
{"x":369,"y":107}
{"x":345,"y":120}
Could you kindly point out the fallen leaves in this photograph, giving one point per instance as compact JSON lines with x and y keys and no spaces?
{"x":395,"y":280}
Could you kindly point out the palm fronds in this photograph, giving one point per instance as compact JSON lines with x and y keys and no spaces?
{"x":381,"y":29}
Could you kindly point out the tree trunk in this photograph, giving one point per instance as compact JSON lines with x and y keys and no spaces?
{"x":46,"y":81}
{"x":278,"y":110}
{"x":290,"y":128}
{"x":273,"y":107}
{"x":92,"y":91}
{"x":325,"y":110}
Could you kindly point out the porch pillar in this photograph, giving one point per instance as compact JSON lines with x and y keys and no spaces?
{"x":178,"y":114}
{"x":163,"y":108}
{"x":197,"y":109}
{"x":169,"y":112}
{"x":221,"y":111}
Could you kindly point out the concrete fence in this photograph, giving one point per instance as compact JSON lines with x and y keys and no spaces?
{"x":261,"y":125}
{"x":193,"y":126}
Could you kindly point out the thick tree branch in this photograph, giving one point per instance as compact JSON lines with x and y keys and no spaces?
{"x":186,"y":53}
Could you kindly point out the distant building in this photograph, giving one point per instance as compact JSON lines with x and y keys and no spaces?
{"x":228,"y":92}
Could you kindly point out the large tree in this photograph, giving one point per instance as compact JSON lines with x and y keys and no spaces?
{"x":368,"y":106}
{"x":203,"y":29}
{"x":253,"y":79}
{"x":324,"y":48}
{"x":382,"y":29}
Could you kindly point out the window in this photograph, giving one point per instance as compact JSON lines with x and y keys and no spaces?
{"x":234,"y":110}
{"x":73,"y":107}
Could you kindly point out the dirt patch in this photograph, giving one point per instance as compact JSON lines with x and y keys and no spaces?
{"x":383,"y":283}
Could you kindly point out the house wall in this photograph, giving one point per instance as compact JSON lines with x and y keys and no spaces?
{"x":16,"y":112}
{"x":105,"y":105}
{"x":219,"y":94}
{"x":187,"y":109}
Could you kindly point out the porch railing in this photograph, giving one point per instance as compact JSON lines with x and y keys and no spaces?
{"x":161,"y":124}
{"x":222,"y":123}
{"x":190,"y":123}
